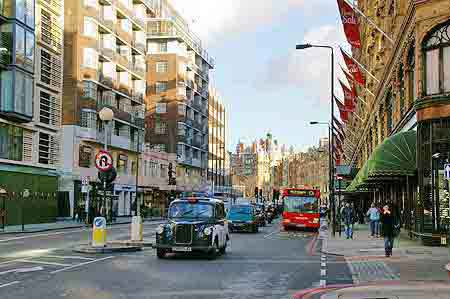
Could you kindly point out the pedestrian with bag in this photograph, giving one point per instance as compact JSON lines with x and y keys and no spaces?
{"x":374,"y":221}
{"x":388,"y":221}
{"x":348,"y":215}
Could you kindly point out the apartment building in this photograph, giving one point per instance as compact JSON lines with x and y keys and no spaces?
{"x":217,"y":135}
{"x":104,"y":66}
{"x":177,"y":95}
{"x":410,"y":110}
{"x":30,"y":99}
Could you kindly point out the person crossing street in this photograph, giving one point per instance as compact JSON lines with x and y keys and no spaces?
{"x":348,"y":215}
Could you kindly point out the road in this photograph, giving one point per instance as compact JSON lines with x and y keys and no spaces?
{"x":270,"y":264}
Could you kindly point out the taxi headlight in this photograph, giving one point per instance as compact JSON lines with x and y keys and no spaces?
{"x":207,"y":231}
{"x":160,"y":229}
{"x":287,"y":220}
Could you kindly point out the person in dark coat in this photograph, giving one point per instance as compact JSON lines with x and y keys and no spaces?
{"x":388,"y":221}
{"x":348,"y":215}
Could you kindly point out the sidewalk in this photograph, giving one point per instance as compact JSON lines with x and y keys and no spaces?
{"x":58,"y":225}
{"x":367,"y":263}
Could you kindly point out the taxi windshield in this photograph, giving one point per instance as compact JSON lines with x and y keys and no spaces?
{"x":191,"y":210}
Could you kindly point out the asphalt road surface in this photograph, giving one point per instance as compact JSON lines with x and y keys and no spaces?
{"x":269,"y":264}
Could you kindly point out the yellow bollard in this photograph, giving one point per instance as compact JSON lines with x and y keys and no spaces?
{"x":99,"y":232}
{"x":136,"y":228}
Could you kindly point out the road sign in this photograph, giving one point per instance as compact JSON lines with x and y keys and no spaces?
{"x":103,"y":161}
{"x":447,"y":171}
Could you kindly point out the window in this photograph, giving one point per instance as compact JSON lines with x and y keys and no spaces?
{"x":412,"y":87}
{"x":160,"y":147}
{"x":49,"y":109}
{"x":85,"y":156}
{"x":160,"y":127}
{"x":11,"y":142}
{"x":181,"y":109}
{"x":437,"y":60}
{"x":89,"y":90}
{"x":22,"y":84}
{"x":133,"y":167}
{"x":401,"y":87}
{"x":90,"y":58}
{"x":389,"y":105}
{"x":90,"y":27}
{"x":29,"y":50}
{"x":91,"y":3}
{"x":162,"y":47}
{"x":125,"y":24}
{"x":88,"y":118}
{"x":162,"y":67}
{"x":20,"y":45}
{"x":6,"y":43}
{"x":50,"y":68}
{"x":24,"y":11}
{"x":44,"y":148}
{"x":122,"y":162}
{"x":163,"y":171}
{"x":161,"y":86}
{"x":51,"y":32}
{"x":161,"y":108}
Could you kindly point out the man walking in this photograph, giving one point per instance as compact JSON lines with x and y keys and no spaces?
{"x":387,"y":218}
{"x":374,"y":220}
{"x":348,"y":215}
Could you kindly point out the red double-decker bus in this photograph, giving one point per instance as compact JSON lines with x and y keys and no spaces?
{"x":301,"y":208}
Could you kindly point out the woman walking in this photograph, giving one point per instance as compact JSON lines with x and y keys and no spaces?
{"x":374,"y":221}
{"x":387,"y":219}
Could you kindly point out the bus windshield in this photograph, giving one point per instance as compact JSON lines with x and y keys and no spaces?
{"x":301,"y":204}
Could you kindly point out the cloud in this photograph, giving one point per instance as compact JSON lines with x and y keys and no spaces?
{"x":308,"y":69}
{"x":213,"y":20}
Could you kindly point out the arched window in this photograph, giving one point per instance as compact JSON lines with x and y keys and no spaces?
{"x":412,"y":86}
{"x":401,"y":88}
{"x":389,"y":108}
{"x":436,"y":49}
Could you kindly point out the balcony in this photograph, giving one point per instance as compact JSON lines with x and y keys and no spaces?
{"x":107,"y":80}
{"x":205,"y":93}
{"x":139,"y":69}
{"x":196,"y":163}
{"x":138,"y":97}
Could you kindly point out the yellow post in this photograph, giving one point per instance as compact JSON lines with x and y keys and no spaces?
{"x":99,"y":232}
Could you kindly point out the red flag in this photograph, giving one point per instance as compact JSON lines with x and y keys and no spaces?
{"x":353,"y":68}
{"x":343,"y":113}
{"x":351,"y":24}
{"x":349,"y":97}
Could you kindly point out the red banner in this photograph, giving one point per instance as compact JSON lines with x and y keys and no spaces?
{"x":351,"y":24}
{"x":354,"y":70}
{"x":349,"y":97}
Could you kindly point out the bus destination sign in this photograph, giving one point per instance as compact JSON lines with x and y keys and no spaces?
{"x":301,"y":192}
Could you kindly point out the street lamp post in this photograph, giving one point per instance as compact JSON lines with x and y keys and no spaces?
{"x":106,"y":115}
{"x":331,"y":139}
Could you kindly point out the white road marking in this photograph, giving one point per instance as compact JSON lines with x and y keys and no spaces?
{"x":40,"y":235}
{"x":323,"y":264}
{"x":9,"y":262}
{"x":45,"y":263}
{"x":323,"y":272}
{"x":22,"y":270}
{"x":70,"y":257}
{"x":9,"y":284}
{"x":323,"y":282}
{"x":275,"y":231}
{"x":81,"y":264}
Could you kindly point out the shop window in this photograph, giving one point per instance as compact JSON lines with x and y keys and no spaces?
{"x":85,"y":156}
{"x":436,"y":49}
{"x":11,"y":142}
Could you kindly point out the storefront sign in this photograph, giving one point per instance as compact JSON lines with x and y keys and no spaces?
{"x":301,"y":192}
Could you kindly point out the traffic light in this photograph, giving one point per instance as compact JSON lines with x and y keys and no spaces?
{"x":256,"y":192}
{"x":107,"y":177}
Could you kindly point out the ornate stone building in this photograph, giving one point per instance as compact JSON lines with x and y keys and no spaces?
{"x":403,"y":141}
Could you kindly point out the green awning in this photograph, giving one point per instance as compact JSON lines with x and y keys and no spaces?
{"x":396,"y":156}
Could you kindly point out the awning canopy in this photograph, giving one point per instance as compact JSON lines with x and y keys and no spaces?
{"x":395,"y":157}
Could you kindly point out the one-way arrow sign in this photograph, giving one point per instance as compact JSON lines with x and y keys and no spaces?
{"x":447,"y":171}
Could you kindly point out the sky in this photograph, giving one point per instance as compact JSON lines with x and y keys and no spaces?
{"x":265,"y":83}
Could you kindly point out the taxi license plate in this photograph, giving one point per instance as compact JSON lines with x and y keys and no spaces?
{"x":182,"y":249}
{"x":300,"y":225}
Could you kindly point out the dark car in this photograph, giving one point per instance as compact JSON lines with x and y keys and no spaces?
{"x":242,"y":218}
{"x":194,"y":225}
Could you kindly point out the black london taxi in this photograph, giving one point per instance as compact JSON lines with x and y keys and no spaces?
{"x":195,"y":224}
